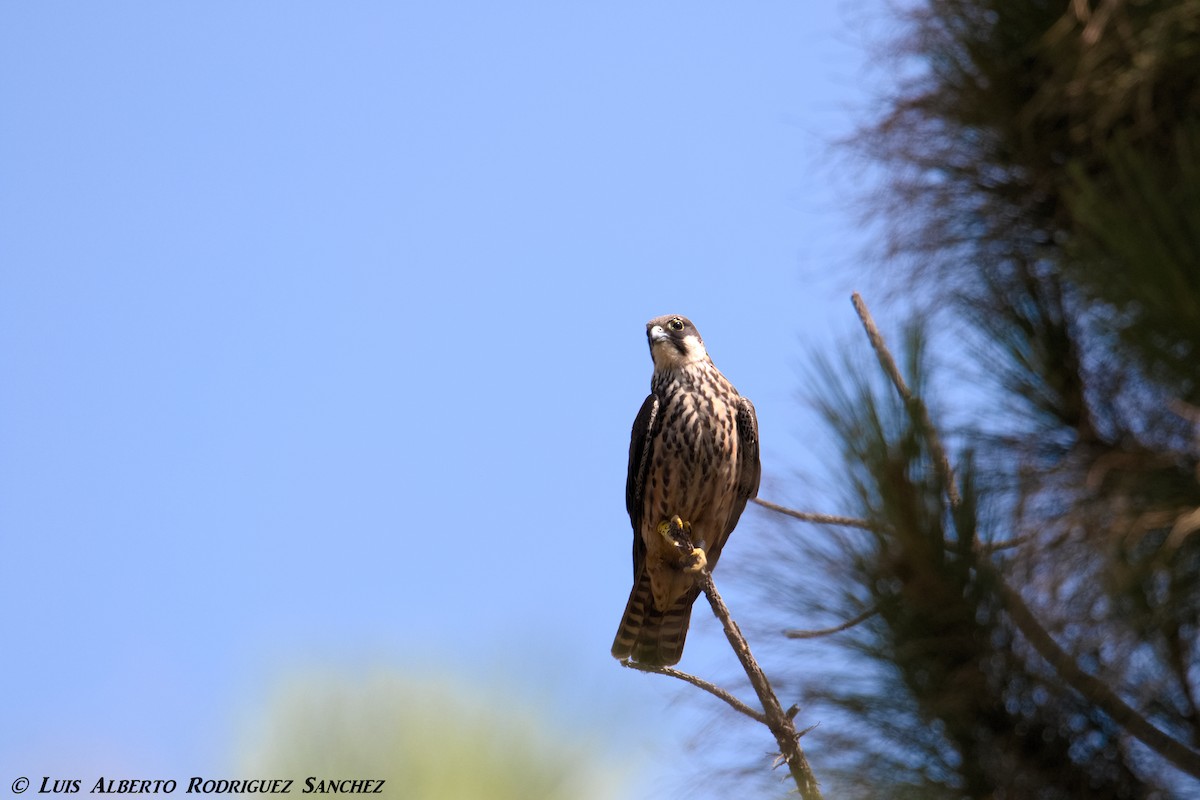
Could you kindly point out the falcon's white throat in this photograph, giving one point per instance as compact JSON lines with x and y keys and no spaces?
{"x":666,"y":353}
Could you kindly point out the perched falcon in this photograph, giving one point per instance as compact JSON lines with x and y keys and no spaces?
{"x":693,"y":455}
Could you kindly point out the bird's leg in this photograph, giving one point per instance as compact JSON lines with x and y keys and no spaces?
{"x":678,"y":534}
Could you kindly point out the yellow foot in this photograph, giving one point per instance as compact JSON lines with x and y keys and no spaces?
{"x":674,"y":530}
{"x":677,"y":535}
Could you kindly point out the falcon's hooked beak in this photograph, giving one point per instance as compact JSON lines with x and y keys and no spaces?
{"x":657,"y":333}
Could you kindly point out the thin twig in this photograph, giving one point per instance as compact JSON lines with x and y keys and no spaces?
{"x":992,"y":547}
{"x":801,"y":634}
{"x":854,"y":522}
{"x":914,"y":403}
{"x":822,"y":519}
{"x":699,"y":683}
{"x":781,"y":725}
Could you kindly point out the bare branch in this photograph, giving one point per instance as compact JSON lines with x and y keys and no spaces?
{"x":781,"y":725}
{"x":699,"y":683}
{"x":822,"y":519}
{"x":915,"y":406}
{"x":801,"y":634}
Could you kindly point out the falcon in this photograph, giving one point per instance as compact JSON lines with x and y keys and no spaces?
{"x":693,"y":465}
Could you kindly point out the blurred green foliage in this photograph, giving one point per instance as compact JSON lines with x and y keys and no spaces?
{"x":430,"y":739}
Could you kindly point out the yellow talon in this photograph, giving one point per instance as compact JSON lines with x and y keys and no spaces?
{"x":699,"y":560}
{"x":676,"y":532}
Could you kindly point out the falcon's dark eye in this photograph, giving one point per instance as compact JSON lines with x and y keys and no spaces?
{"x":675,"y":324}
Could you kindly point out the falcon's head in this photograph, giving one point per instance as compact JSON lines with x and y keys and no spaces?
{"x":674,"y":342}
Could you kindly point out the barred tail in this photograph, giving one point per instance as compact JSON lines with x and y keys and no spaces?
{"x":648,"y":635}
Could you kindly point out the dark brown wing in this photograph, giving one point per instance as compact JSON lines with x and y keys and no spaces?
{"x":642,"y":625}
{"x":641,"y":441}
{"x":749,"y":466}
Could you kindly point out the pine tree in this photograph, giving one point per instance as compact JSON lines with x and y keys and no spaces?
{"x":1045,"y":197}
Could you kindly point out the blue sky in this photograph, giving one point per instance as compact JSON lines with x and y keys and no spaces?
{"x":322,"y":333}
